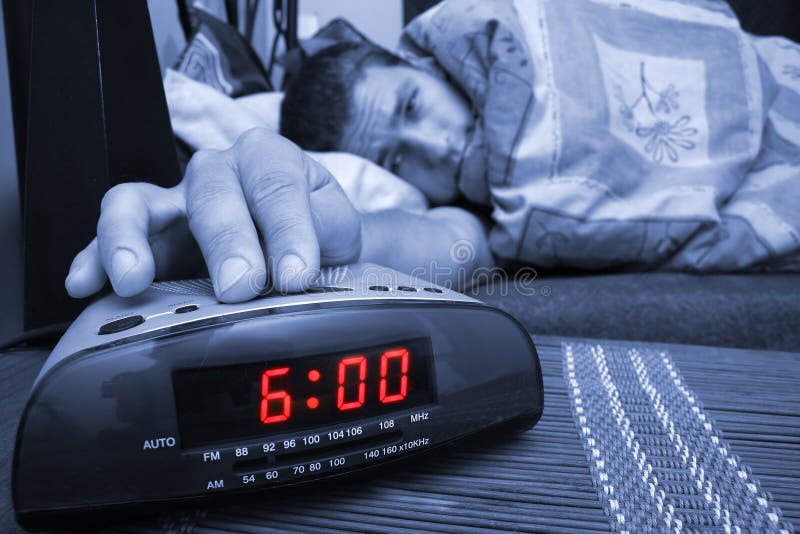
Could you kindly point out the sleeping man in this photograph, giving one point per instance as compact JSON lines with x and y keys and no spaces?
{"x":597,"y":133}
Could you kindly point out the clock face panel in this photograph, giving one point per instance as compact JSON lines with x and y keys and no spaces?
{"x":234,"y":402}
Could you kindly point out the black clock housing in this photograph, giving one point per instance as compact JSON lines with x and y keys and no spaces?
{"x":180,"y":411}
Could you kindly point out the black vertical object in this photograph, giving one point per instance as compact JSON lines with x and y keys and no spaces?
{"x":769,"y":17}
{"x":412,"y":8}
{"x":17,"y":18}
{"x":184,"y":18}
{"x":97,"y":117}
{"x":232,"y":13}
{"x":291,"y":25}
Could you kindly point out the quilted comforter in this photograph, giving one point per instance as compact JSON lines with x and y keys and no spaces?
{"x":648,"y":134}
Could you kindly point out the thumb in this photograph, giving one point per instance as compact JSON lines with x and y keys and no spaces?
{"x":86,"y":275}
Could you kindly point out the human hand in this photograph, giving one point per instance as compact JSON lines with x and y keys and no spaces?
{"x":262,"y":206}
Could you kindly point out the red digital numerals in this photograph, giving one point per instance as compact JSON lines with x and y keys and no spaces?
{"x":361,"y":362}
{"x":347,"y":397}
{"x":393,"y":356}
{"x":267,"y":395}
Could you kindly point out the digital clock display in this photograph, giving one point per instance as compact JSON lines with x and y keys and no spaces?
{"x":251,"y":400}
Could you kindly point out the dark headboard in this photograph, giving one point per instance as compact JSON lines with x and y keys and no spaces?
{"x":762,"y":17}
{"x":769,"y":17}
{"x":89,"y":113}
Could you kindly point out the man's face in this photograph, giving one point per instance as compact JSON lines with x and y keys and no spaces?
{"x":411,"y":123}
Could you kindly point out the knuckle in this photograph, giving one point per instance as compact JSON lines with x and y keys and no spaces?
{"x":262,"y":140}
{"x":255,"y":136}
{"x":201,"y":159}
{"x":260,"y":144}
{"x":286,"y":231}
{"x":269,"y":189}
{"x":107,"y":226}
{"x":205,"y":196}
{"x":224,"y":238}
{"x":120,"y":193}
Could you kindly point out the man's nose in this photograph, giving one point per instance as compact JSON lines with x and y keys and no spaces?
{"x":436,"y":143}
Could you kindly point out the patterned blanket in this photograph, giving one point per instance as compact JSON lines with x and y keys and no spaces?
{"x":646,"y":134}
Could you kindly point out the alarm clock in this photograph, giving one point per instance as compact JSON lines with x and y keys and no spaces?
{"x":172,"y":396}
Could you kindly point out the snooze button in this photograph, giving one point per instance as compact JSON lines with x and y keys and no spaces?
{"x":121,"y":324}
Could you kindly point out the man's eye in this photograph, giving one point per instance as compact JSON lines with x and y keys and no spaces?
{"x":397,"y":160}
{"x":411,"y":104}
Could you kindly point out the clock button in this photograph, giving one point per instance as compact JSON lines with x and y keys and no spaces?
{"x":326,"y":289}
{"x":186,"y":309}
{"x":407,"y":289}
{"x":121,"y":324}
{"x":433,"y":290}
{"x":378,"y":288}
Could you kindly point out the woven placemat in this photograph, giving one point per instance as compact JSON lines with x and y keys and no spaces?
{"x":658,"y":419}
{"x":657,"y":458}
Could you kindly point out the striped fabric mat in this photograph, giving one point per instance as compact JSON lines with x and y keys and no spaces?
{"x":634,"y":438}
{"x":656,"y":456}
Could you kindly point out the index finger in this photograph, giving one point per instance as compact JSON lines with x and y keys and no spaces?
{"x":122,"y":231}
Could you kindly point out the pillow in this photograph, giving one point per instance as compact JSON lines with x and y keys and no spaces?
{"x":217,"y":55}
{"x":370,"y":187}
{"x":267,"y":106}
{"x":203,"y":117}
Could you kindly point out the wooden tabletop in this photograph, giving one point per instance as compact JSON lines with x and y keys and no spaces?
{"x":510,"y":485}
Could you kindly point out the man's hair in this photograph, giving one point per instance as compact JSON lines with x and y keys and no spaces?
{"x":317,"y":104}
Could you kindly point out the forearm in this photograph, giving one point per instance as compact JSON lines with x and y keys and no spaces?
{"x":443,"y":245}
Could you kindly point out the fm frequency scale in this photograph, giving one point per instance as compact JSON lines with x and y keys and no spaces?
{"x":172,"y":396}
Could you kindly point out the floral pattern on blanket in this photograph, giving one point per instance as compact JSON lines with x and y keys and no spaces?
{"x":652,"y":97}
{"x":662,"y":137}
{"x":792,"y":70}
{"x":629,"y":134}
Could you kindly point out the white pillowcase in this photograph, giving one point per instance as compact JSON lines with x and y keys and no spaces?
{"x":370,"y":187}
{"x":266,"y":106}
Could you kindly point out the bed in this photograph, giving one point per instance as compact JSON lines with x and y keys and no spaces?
{"x":740,"y":310}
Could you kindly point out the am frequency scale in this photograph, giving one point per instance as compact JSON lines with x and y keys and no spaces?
{"x":172,"y":396}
